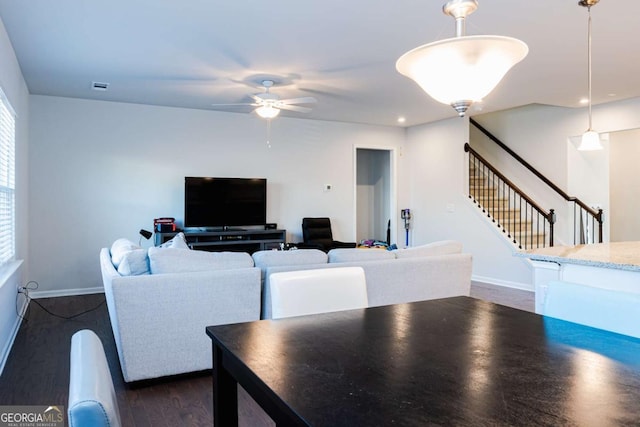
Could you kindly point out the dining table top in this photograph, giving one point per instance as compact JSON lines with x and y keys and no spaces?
{"x":453,"y":361}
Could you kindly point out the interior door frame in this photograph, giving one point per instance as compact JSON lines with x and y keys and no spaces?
{"x":393,"y":187}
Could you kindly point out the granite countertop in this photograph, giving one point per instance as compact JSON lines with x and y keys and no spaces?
{"x":618,"y":255}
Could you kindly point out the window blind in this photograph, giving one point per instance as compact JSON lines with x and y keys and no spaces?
{"x":7,"y":180}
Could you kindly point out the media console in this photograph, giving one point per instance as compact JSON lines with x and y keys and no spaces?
{"x":237,"y":241}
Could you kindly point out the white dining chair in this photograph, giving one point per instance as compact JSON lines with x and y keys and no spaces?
{"x":92,"y":398}
{"x":607,"y":309}
{"x":297,"y":293}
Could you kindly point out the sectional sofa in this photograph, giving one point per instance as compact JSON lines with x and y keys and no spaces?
{"x":160,"y":300}
{"x":438,"y":270}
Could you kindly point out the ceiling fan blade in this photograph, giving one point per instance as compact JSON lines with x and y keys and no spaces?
{"x":257,"y":99}
{"x":233,"y":105}
{"x":303,"y":100}
{"x":294,"y":108}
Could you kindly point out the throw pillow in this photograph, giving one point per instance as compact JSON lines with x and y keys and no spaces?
{"x":119,"y":249}
{"x":443,"y":247}
{"x":134,"y":263}
{"x":178,"y":241}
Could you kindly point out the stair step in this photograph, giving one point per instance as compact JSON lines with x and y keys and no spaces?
{"x":504,"y":213}
{"x":491,"y":203}
{"x":483,"y":191}
{"x":527,"y":236}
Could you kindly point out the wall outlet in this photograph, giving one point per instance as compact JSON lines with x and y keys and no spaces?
{"x":451,"y":207}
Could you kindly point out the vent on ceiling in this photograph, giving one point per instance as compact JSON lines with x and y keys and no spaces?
{"x":99,"y":86}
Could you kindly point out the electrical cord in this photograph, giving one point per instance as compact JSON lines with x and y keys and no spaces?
{"x":33,"y":285}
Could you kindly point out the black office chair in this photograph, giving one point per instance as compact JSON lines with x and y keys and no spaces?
{"x":316,"y":233}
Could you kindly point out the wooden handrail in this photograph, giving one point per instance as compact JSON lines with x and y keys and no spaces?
{"x":596,"y":214}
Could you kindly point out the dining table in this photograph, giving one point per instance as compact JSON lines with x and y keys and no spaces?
{"x":455,"y":361}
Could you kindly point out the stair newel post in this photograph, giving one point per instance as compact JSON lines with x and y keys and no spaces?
{"x":600,"y":221}
{"x":552,"y":220}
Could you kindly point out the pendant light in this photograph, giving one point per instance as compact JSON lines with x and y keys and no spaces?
{"x":464,"y":69}
{"x":590,"y":139}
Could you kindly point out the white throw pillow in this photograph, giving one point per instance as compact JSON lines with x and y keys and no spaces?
{"x":119,"y":249}
{"x":134,"y":263}
{"x":174,"y":260}
{"x":179,"y":241}
{"x":443,"y":247}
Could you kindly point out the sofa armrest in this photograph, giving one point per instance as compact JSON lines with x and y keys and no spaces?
{"x":161,"y":318}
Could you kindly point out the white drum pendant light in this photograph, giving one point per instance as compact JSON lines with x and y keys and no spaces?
{"x":464,"y":69}
{"x":590,"y":139}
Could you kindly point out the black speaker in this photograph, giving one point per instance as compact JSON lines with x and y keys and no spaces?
{"x":270,"y":226}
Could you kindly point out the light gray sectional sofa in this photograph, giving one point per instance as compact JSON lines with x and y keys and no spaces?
{"x":436,"y":270}
{"x":161,"y":300}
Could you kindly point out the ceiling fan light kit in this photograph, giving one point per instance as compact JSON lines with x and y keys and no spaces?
{"x":267,"y":112}
{"x":590,"y":139}
{"x":461,"y":70}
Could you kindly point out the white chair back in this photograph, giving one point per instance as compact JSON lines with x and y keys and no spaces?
{"x":92,"y":398}
{"x":607,"y":309}
{"x":296,"y":293}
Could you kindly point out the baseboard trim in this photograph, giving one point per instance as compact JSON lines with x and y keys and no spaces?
{"x":14,"y":333}
{"x":66,"y":292}
{"x":506,"y":283}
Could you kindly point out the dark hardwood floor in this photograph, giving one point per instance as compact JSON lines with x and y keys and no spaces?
{"x":37,"y":371}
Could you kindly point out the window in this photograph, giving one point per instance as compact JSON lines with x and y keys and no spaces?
{"x":7,"y":180}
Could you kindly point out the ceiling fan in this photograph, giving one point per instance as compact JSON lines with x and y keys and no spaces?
{"x":268,"y":105}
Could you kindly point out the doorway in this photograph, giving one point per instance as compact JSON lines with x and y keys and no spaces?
{"x":375,"y":194}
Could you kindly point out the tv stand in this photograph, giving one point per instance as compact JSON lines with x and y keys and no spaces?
{"x":235,"y":240}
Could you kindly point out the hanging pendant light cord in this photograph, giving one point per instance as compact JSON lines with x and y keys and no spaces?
{"x":589,"y":62}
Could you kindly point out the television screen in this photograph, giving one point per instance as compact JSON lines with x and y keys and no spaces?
{"x":224,"y":202}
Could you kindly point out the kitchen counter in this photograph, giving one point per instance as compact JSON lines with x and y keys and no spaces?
{"x":613,"y":266}
{"x":616,"y":255}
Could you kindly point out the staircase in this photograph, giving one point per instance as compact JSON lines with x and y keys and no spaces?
{"x":509,"y":210}
{"x":520,"y":218}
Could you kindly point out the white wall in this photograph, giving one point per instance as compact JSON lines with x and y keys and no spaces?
{"x":15,"y":89}
{"x":442,"y":210}
{"x":624,"y":181}
{"x":103,"y":170}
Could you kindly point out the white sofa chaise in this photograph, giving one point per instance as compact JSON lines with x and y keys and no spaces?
{"x":159,"y":320}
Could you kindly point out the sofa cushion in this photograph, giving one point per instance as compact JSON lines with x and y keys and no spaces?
{"x":178,"y":241}
{"x":120,"y":248}
{"x":264,"y":259}
{"x":443,"y":247}
{"x":134,"y":263}
{"x":351,"y":255}
{"x":175,"y":260}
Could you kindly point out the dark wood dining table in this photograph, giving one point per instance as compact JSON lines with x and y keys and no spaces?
{"x":455,"y":361}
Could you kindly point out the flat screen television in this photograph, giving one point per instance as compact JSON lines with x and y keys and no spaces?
{"x":224,"y":202}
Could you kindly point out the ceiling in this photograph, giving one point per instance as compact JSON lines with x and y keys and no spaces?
{"x":194,"y":53}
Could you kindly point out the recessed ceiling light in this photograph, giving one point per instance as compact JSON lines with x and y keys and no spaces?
{"x":612,"y":95}
{"x":101,"y":86}
{"x":584,"y":100}
{"x":401,"y":119}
